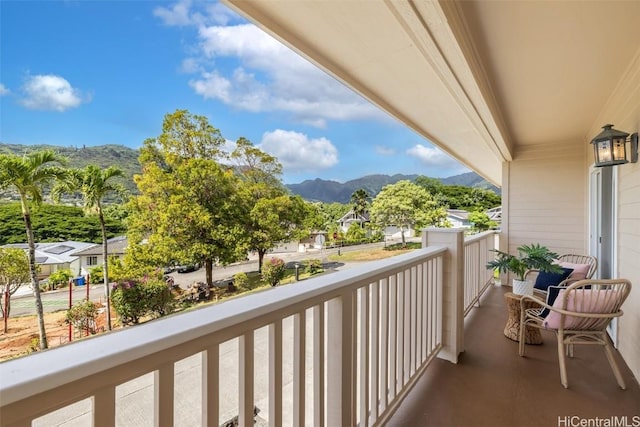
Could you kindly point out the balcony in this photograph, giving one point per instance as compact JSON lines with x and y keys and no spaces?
{"x":368,"y":346}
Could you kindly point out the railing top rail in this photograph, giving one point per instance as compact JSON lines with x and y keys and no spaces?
{"x":27,"y":376}
{"x":479,"y":236}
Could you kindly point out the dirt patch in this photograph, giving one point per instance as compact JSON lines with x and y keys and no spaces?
{"x":22,"y":336}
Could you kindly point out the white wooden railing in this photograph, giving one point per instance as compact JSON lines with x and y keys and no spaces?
{"x":342,"y":349}
{"x":476,"y":276}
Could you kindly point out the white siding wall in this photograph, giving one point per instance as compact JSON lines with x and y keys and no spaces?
{"x":623,"y":110}
{"x":546,"y":198}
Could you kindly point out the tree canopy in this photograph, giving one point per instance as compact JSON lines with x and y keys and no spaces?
{"x":405,"y":205}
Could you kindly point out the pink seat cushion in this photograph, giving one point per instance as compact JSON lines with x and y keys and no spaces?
{"x":579,"y":270}
{"x":581,"y":301}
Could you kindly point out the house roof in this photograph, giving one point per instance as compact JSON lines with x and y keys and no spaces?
{"x":458,"y":214}
{"x":55,"y":252}
{"x":115,"y":246}
{"x":350,"y":216}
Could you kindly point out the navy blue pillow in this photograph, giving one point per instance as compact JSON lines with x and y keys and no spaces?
{"x":552,"y":294}
{"x":546,"y":279}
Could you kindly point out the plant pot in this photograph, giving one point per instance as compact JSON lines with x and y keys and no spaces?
{"x":522,"y":287}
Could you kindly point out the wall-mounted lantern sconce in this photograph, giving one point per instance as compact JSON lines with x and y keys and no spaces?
{"x":609,"y":147}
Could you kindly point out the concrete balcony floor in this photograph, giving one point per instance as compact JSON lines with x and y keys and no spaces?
{"x":492,"y":386}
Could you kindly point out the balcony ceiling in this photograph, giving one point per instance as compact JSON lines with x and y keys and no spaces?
{"x":476,"y":78}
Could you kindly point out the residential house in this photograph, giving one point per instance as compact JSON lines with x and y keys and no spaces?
{"x":91,"y":257}
{"x":514,"y":90}
{"x":350,"y":218}
{"x":458,"y":218}
{"x":54,"y":256}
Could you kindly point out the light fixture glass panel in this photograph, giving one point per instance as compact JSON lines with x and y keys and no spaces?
{"x":604,"y":151}
{"x":619,"y":153}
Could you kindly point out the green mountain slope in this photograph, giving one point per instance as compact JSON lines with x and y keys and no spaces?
{"x":331,"y":191}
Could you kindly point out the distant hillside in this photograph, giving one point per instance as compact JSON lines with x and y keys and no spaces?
{"x":314,"y":190}
{"x":331,"y":191}
{"x":78,"y":157}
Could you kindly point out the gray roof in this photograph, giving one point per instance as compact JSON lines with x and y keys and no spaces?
{"x":115,"y":246}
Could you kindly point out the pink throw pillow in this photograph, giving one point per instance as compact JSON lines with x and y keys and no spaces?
{"x":581,"y":301}
{"x":579,"y":270}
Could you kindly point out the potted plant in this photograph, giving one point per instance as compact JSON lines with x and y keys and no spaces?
{"x":530,"y":257}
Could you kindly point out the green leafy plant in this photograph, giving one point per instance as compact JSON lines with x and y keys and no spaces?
{"x":60,"y":278}
{"x":128,"y":301}
{"x":241,"y":280}
{"x":158,"y":297}
{"x":273,"y":271}
{"x":530,"y":257}
{"x":314,"y":266}
{"x":83,"y":316}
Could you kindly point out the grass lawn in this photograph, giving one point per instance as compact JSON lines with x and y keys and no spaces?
{"x":375,"y":254}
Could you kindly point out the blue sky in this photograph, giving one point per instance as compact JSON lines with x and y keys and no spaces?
{"x":76,"y":73}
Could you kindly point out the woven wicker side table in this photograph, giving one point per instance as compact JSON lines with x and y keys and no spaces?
{"x":512,"y":328}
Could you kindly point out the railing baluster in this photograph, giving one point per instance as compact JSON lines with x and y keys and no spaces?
{"x":406,"y":310}
{"x":299,"y":333}
{"x":420,"y":315}
{"x":363,"y":358}
{"x":104,"y":407}
{"x":210,"y":386}
{"x":245,"y":350}
{"x":318,"y":365}
{"x":163,"y":382}
{"x":275,"y":373}
{"x":384,"y":341}
{"x":374,"y":393}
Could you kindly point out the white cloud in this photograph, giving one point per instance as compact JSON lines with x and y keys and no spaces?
{"x":3,"y":90}
{"x":180,"y":14}
{"x":384,"y":151}
{"x":176,"y":15}
{"x":436,"y":159}
{"x":297,"y":152}
{"x":50,"y":92}
{"x":265,"y":75}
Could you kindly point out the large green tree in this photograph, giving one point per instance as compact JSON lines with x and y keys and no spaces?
{"x":94,"y":184}
{"x":274,"y":216}
{"x":405,"y":205}
{"x":188,"y":209}
{"x":14,"y":271}
{"x":28,"y":175}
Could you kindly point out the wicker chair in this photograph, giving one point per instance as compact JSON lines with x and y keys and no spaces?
{"x":580,"y":315}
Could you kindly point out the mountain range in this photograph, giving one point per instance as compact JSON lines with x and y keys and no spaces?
{"x":313,"y":190}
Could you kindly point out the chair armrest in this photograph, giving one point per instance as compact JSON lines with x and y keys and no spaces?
{"x":534,"y":299}
{"x":532,"y":271}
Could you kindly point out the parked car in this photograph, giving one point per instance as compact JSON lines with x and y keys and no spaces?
{"x":187,"y":268}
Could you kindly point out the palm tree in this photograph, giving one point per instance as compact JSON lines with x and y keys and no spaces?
{"x":94,"y":184}
{"x":359,"y":200}
{"x":28,"y":175}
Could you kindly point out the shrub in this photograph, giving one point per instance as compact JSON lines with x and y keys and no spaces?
{"x":314,"y":266}
{"x":132,"y":299}
{"x":273,"y":271}
{"x":127,"y":298}
{"x":241,"y":280}
{"x":158,"y":297}
{"x":60,"y":278}
{"x":96,"y":276}
{"x":83,"y":316}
